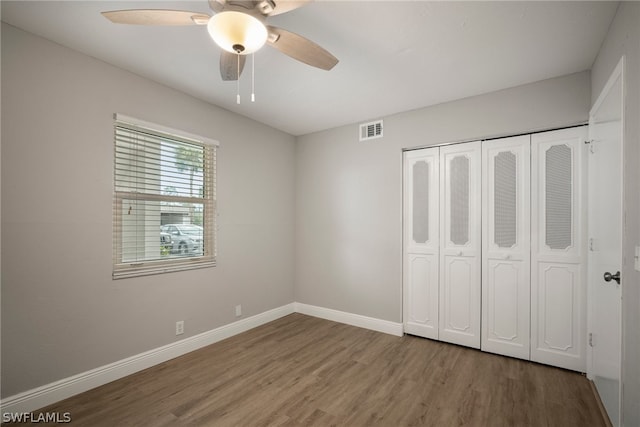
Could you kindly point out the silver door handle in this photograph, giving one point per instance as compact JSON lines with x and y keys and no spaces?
{"x":608,"y":277}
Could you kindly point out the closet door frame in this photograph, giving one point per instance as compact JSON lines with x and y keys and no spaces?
{"x":460,"y":276}
{"x":506,"y":272}
{"x":421,"y":258}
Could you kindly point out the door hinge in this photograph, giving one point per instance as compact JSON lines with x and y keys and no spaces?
{"x":590,"y":339}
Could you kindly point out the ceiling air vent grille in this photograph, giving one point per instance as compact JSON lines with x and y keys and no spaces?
{"x":371,"y":130}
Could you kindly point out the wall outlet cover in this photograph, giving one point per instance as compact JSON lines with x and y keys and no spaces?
{"x":180,"y":327}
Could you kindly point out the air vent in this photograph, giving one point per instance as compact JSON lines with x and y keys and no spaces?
{"x":371,"y":130}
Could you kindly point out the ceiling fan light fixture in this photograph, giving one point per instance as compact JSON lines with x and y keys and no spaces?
{"x":237,"y":32}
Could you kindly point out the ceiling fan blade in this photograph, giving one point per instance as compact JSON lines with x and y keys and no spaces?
{"x":284,"y":6}
{"x":156,"y":17}
{"x":229,"y":65}
{"x":299,"y":48}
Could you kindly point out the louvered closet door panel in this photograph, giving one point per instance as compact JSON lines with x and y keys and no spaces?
{"x":421,"y":242}
{"x":506,"y":246}
{"x":460,"y":177}
{"x":558,"y":285}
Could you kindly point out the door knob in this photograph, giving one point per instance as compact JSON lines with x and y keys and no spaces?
{"x":608,"y":277}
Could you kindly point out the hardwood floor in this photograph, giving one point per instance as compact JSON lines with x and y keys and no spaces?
{"x":304,"y":371}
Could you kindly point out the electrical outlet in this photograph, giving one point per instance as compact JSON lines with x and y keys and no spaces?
{"x":238,"y":310}
{"x":180,"y":327}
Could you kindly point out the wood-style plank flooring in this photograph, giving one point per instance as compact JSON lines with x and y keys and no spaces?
{"x":305,"y":371}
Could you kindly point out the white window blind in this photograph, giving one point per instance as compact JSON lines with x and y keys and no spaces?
{"x":164,"y":199}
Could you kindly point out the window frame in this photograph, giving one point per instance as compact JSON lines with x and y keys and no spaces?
{"x":128,"y":269}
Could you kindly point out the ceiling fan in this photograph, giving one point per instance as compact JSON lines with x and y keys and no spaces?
{"x":239,"y":28}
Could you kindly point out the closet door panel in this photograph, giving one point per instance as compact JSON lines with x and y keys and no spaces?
{"x":502,"y":310}
{"x":421,"y":242}
{"x":558,"y":294}
{"x":506,"y":246}
{"x":558,"y":308}
{"x":458,"y":311}
{"x":460,"y":176}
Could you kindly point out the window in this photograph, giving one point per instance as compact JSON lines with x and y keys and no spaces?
{"x":164,"y":199}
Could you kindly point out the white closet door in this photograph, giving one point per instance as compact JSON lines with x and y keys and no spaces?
{"x":506,"y":246}
{"x":460,"y":177}
{"x":421,"y":242}
{"x":558,"y":288}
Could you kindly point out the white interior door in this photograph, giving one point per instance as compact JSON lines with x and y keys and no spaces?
{"x":421,"y":242}
{"x":558,"y":267}
{"x":460,"y":245}
{"x":506,"y":246}
{"x":605,"y":243}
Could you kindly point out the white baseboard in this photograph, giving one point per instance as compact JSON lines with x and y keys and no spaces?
{"x":40,"y":397}
{"x":45,"y":395}
{"x":358,"y":320}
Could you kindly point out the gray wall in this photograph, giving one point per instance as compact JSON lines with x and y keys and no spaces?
{"x":349,"y":193}
{"x":62,"y":314}
{"x":624,"y":39}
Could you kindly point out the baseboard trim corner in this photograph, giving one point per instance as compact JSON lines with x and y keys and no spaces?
{"x":45,"y":395}
{"x":352,"y":319}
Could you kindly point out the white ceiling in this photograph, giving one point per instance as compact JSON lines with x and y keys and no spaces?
{"x":394,"y":55}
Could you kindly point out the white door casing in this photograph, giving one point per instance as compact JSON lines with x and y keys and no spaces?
{"x":558,"y":276}
{"x":421,"y":242}
{"x":506,"y":246}
{"x":460,"y":246}
{"x":606,"y":124}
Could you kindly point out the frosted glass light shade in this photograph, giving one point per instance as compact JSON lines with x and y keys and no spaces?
{"x":231,"y":29}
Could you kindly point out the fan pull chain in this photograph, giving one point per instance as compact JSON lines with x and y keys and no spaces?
{"x":238,"y":81}
{"x":253,"y":77}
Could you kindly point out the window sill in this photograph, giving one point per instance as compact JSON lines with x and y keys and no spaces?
{"x":125,"y":271}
